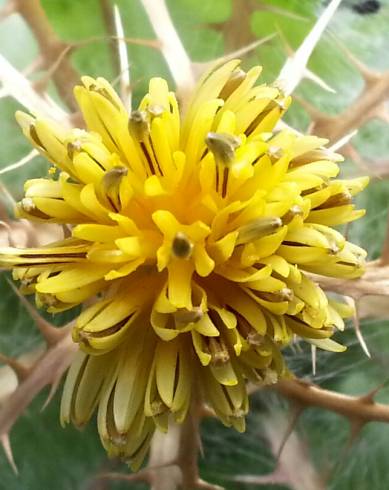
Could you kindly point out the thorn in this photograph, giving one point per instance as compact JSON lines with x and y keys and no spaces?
{"x":21,"y":371}
{"x":52,"y":392}
{"x":201,"y":67}
{"x":5,"y":225}
{"x":275,"y":477}
{"x":49,"y":332}
{"x":172,"y":49}
{"x":310,"y":75}
{"x":282,"y":11}
{"x":292,"y":72}
{"x":313,"y":356}
{"x":357,"y":326}
{"x":307,"y":73}
{"x":369,"y":397}
{"x":20,"y":163}
{"x":7,"y":194}
{"x":370,"y":77}
{"x":343,"y":141}
{"x":245,"y":49}
{"x":123,"y":59}
{"x":295,"y":412}
{"x":207,"y":486}
{"x":34,"y":66}
{"x":4,"y":440}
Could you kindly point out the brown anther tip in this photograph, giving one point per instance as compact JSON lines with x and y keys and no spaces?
{"x":334,"y":249}
{"x":274,"y":151}
{"x":291,"y":213}
{"x":119,"y":439}
{"x":27,"y":204}
{"x":34,"y":136}
{"x":253,"y":338}
{"x":281,"y":104}
{"x":182,"y":247}
{"x":219,"y":352}
{"x":73,"y":147}
{"x":236,"y":78}
{"x":104,"y":93}
{"x":47,"y":299}
{"x":138,"y":125}
{"x":223,"y":146}
{"x":158,"y":407}
{"x":341,"y":199}
{"x":155,"y":110}
{"x":185,"y":317}
{"x":286,"y":294}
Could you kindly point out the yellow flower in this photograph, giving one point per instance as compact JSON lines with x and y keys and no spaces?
{"x":190,"y":241}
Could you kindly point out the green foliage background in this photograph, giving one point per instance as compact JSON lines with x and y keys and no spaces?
{"x":49,"y":457}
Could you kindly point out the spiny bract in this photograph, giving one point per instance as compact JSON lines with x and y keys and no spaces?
{"x":190,"y":242}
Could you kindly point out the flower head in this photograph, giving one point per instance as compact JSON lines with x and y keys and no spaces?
{"x":191,"y":242}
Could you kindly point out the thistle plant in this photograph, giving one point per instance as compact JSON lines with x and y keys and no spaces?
{"x":200,"y":240}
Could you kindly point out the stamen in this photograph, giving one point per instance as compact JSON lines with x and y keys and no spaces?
{"x":257,"y":229}
{"x":289,"y":215}
{"x":341,"y":199}
{"x":158,"y":407}
{"x":138,"y":125}
{"x":111,"y":185}
{"x":334,"y":249}
{"x":155,"y":110}
{"x":120,"y":439}
{"x":73,"y":147}
{"x":182,"y":247}
{"x":236,"y":78}
{"x":183,"y":317}
{"x":35,"y":137}
{"x":271,"y":376}
{"x":219,"y":351}
{"x":274,"y":151}
{"x":47,"y":300}
{"x":248,"y":332}
{"x":27,"y":204}
{"x":222,"y":146}
{"x":104,"y":92}
{"x":284,"y":294}
{"x":253,"y":338}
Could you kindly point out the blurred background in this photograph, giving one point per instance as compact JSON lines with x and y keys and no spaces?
{"x":49,"y":457}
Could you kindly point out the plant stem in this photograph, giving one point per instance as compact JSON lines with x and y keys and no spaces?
{"x":177,"y":453}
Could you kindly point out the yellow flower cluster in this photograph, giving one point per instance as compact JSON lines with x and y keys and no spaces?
{"x":190,"y":240}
